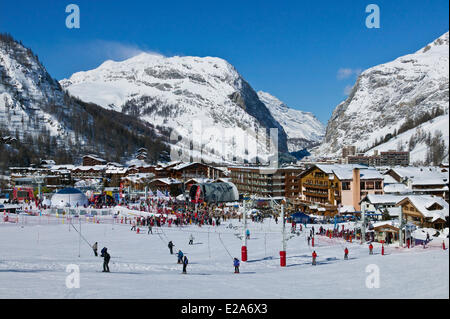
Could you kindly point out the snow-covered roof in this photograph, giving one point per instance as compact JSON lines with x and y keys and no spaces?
{"x":388,"y":179}
{"x":384,"y":198}
{"x":95,"y":157}
{"x":421,"y":172}
{"x":345,"y":171}
{"x":429,"y":181}
{"x":393,"y":223}
{"x":394,"y":211}
{"x":199,"y":180}
{"x":396,"y":188}
{"x":347,"y":209}
{"x":168,"y":181}
{"x":423,"y":203}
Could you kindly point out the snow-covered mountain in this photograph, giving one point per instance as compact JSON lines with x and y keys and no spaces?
{"x":27,"y":91}
{"x":387,"y":96}
{"x":174,"y":92}
{"x":303,"y":129}
{"x":39,"y":119}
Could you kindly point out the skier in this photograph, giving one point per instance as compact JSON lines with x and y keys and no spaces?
{"x":149,"y":229}
{"x":371,"y":249}
{"x":346,"y":253}
{"x":191,"y":240}
{"x":180,"y":257}
{"x":247,"y":233}
{"x":309,"y":239}
{"x":170,"y":245}
{"x":236,"y":265}
{"x":94,"y":248}
{"x":185,"y":263}
{"x":133,"y":225}
{"x":314,"y":256}
{"x":106,"y":258}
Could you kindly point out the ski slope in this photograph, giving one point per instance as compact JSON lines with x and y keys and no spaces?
{"x":34,"y":257}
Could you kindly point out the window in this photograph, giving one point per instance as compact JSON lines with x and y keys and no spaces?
{"x":370,"y":185}
{"x":378,"y":185}
{"x":345,"y":186}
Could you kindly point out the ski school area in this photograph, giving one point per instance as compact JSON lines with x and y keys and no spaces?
{"x":37,"y":254}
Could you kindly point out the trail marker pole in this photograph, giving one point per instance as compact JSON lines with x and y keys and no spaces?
{"x":244,"y":240}
{"x":283,"y":241}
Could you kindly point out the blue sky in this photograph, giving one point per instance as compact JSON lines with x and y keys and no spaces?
{"x":306,"y":53}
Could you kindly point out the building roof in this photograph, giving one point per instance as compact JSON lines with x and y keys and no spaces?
{"x":388,"y":179}
{"x":423,"y":203}
{"x":396,"y":188}
{"x":168,"y":181}
{"x":387,"y":199}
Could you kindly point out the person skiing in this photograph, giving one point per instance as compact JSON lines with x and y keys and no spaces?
{"x":346,"y":253}
{"x":191,"y":240}
{"x":247,"y":233}
{"x":185,"y":263}
{"x":133,"y":225}
{"x":314,"y":256}
{"x":370,"y":249}
{"x":94,"y":248}
{"x":236,"y":265}
{"x":170,"y":245}
{"x":106,"y":258}
{"x":180,"y":257}
{"x":149,"y":229}
{"x":309,"y":239}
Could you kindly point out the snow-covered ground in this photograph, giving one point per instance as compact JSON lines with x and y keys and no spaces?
{"x":34,"y":257}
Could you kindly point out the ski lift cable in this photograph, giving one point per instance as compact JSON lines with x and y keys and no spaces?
{"x":220,"y":239}
{"x":80,"y":235}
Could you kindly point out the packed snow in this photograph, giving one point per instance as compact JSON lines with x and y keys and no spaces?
{"x":34,"y":255}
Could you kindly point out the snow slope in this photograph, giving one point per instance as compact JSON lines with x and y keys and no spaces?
{"x":385,"y":95}
{"x":174,"y":92}
{"x":419,"y":152}
{"x":34,"y":259}
{"x":303,"y":129}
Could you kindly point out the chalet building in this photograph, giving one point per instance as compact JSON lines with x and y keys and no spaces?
{"x":92,"y":160}
{"x":52,"y":177}
{"x":425,"y":211}
{"x":193,"y":181}
{"x":380,"y":204}
{"x":265,"y":182}
{"x":86,"y":172}
{"x":137,"y":181}
{"x":171,"y":185}
{"x":386,"y":231}
{"x":338,"y":185}
{"x":422,"y":180}
{"x":114,"y":175}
